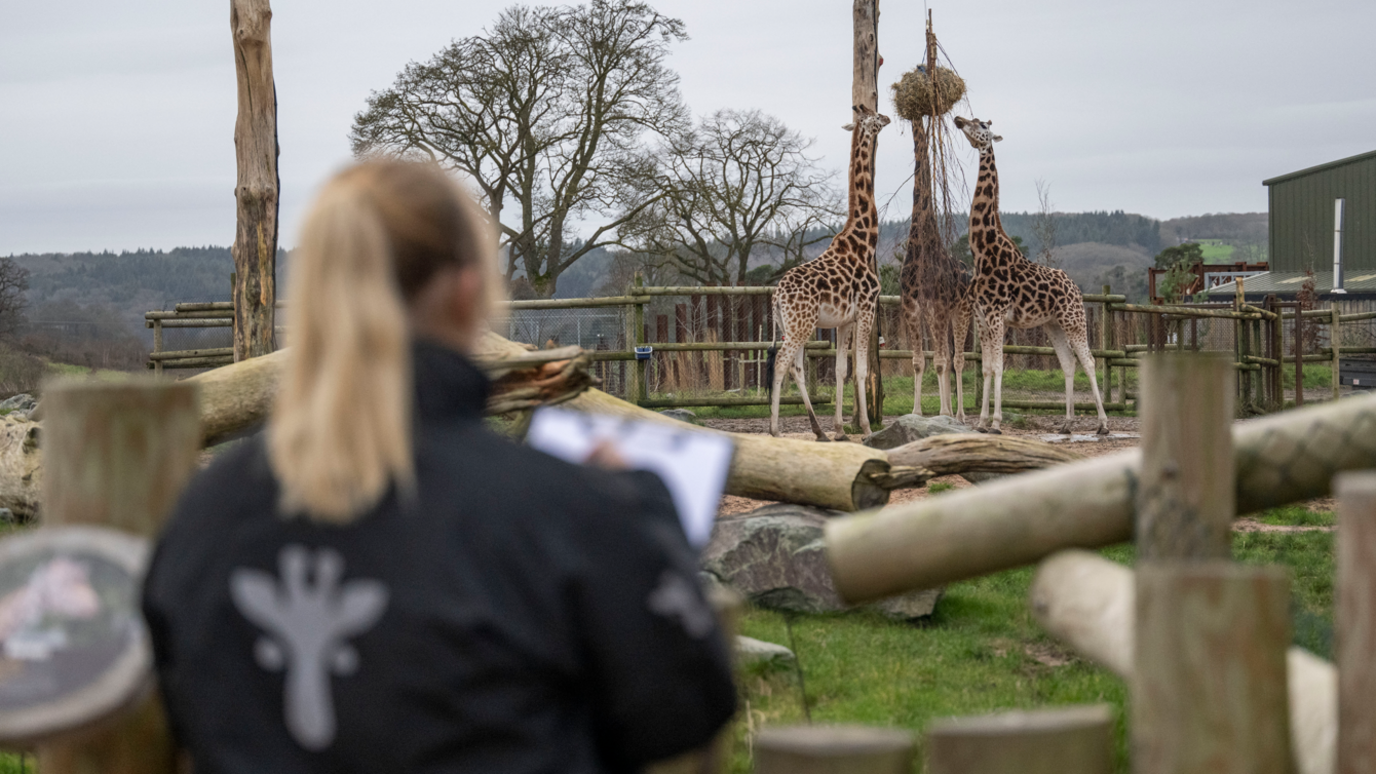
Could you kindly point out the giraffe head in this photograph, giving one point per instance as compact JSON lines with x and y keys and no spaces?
{"x":977,"y":132}
{"x":868,"y":121}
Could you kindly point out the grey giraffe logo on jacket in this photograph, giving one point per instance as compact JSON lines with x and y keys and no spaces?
{"x":306,"y":627}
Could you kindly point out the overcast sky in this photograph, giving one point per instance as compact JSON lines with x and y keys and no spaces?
{"x":116,"y":119}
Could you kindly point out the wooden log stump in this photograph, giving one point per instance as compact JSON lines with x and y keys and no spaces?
{"x":1071,"y":740}
{"x":118,"y":456}
{"x":1087,"y":602}
{"x":833,"y":750}
{"x":1355,"y":622}
{"x":1208,"y":689}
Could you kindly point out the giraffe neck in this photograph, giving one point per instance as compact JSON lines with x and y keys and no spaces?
{"x":987,"y":238}
{"x":862,"y":220}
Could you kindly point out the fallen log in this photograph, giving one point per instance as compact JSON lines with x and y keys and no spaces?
{"x":1019,"y":520}
{"x":1088,"y":602}
{"x":954,"y":453}
{"x":839,"y":476}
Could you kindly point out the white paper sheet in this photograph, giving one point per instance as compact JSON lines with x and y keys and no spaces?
{"x":693,"y":464}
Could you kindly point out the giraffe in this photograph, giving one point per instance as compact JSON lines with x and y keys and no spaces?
{"x":839,"y":289}
{"x":1009,"y":290}
{"x":934,"y":291}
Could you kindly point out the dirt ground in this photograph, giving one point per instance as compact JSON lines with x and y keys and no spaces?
{"x":1124,"y":434}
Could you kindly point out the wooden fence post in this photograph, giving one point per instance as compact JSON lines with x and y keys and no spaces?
{"x":1335,"y":330}
{"x":1186,"y":497}
{"x":157,"y":346}
{"x":256,"y":193}
{"x":1297,"y":332}
{"x":833,"y":750}
{"x":1106,"y":342}
{"x":1354,"y":630}
{"x":1209,"y":689}
{"x":117,"y":456}
{"x":1277,"y":352}
{"x":1071,"y":740}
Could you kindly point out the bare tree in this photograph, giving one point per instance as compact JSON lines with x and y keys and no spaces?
{"x":14,"y":281}
{"x":545,"y":113}
{"x":1044,"y":227}
{"x":737,"y":182}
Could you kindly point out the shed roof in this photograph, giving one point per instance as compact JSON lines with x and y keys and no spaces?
{"x":1320,"y":168}
{"x":1288,"y":282}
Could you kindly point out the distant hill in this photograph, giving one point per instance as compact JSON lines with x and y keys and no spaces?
{"x":125,"y":285}
{"x":1093,"y":247}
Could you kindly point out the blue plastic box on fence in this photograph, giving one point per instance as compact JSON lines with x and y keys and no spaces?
{"x":643,"y":353}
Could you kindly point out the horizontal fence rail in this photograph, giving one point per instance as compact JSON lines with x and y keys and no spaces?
{"x":719,"y":338}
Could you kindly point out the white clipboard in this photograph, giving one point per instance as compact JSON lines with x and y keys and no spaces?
{"x":692,"y":464}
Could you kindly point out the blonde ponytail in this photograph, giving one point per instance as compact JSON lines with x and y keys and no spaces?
{"x":340,"y":432}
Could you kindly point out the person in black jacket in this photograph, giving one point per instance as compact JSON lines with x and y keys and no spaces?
{"x":377,"y":583}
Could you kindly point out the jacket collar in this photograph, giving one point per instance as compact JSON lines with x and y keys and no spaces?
{"x":448,"y":385}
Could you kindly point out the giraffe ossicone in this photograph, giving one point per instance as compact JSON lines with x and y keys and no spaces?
{"x":1010,"y":291}
{"x":839,"y":289}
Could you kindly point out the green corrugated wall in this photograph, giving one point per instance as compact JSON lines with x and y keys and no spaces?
{"x":1301,"y":222}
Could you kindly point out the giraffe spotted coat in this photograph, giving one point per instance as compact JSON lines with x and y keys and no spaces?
{"x":934,"y":291}
{"x":839,"y":289}
{"x":1010,"y":291}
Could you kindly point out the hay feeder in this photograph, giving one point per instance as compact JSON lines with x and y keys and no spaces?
{"x":918,"y":94}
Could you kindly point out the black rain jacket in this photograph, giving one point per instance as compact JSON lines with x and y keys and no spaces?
{"x":520,"y":614}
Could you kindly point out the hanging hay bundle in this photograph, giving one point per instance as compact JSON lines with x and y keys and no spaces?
{"x":914,"y":95}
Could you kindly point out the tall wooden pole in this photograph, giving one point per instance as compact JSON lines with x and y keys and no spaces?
{"x":864,"y":90}
{"x":118,"y":456}
{"x":255,"y":145}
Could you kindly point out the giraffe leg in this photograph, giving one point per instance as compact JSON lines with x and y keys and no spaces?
{"x":959,"y":327}
{"x":991,"y":354}
{"x":919,"y":360}
{"x":998,"y":392}
{"x":789,"y":351}
{"x":1067,"y":360}
{"x":941,"y":359}
{"x":843,"y":338}
{"x":1081,"y":346}
{"x":800,"y":376}
{"x":863,"y":327}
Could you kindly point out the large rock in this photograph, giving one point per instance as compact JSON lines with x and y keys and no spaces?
{"x":22,"y":403}
{"x":750,"y":650}
{"x":911,"y":427}
{"x":775,"y":557}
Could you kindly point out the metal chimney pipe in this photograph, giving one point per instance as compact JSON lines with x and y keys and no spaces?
{"x":1338,"y":246}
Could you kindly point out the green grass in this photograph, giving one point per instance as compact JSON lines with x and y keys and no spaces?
{"x":898,"y":394}
{"x":1316,"y":375}
{"x":982,"y":651}
{"x":99,"y":374}
{"x":939,"y":487}
{"x":1217,"y":253}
